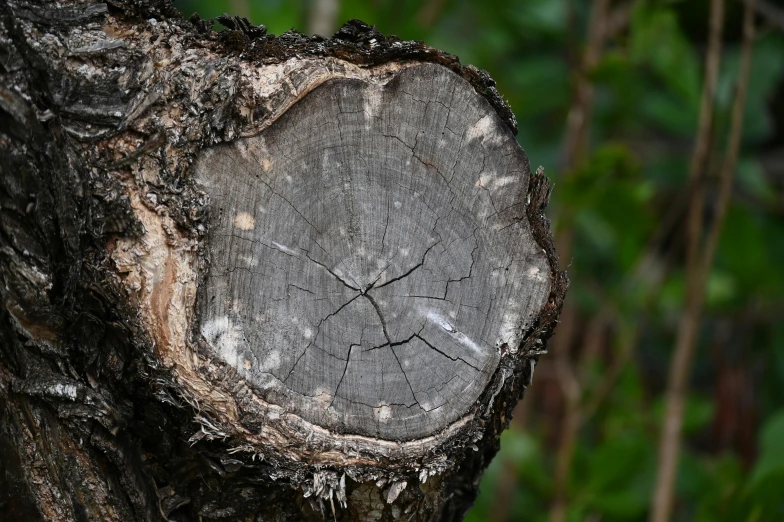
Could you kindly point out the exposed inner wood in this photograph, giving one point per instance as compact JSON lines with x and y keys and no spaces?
{"x":371,"y":254}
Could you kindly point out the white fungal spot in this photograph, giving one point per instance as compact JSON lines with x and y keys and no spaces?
{"x":404,"y":252}
{"x":266,"y":164}
{"x":307,"y":333}
{"x":383,"y":413}
{"x":486,"y":130}
{"x":535,"y":274}
{"x":398,"y":205}
{"x":244,"y":221}
{"x":502,"y":182}
{"x":225,"y":338}
{"x":483,"y":181}
{"x":242,"y":148}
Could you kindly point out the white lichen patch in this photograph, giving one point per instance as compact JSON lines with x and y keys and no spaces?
{"x":486,"y":130}
{"x":244,"y":221}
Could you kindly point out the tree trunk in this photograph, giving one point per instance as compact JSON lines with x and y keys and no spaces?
{"x":251,"y":277}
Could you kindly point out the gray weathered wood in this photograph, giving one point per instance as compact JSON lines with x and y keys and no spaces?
{"x":371,"y":254}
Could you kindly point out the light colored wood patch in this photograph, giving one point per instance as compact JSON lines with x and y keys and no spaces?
{"x":244,"y":221}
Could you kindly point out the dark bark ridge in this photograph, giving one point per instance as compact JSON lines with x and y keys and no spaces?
{"x":104,"y":111}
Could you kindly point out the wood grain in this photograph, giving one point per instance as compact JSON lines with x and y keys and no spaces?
{"x":370,"y":254}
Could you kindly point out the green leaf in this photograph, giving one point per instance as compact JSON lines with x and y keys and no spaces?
{"x":771,"y":460}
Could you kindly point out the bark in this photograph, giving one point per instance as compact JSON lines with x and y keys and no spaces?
{"x":252,"y":277}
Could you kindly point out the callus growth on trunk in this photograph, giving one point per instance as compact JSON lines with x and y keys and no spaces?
{"x":254,"y":277}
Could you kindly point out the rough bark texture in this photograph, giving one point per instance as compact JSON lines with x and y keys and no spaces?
{"x":254,"y":277}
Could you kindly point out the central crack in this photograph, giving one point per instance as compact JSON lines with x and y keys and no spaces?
{"x":380,"y":317}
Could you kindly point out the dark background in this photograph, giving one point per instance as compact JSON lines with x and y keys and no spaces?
{"x":619,"y":209}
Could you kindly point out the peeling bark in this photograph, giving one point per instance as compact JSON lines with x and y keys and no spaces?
{"x":126,"y":133}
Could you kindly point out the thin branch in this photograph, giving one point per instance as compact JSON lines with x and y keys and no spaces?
{"x":571,"y":392}
{"x":575,"y":142}
{"x":618,"y":20}
{"x":702,"y":143}
{"x":733,"y":145}
{"x":580,"y":113}
{"x":696,"y":276}
{"x":323,"y":17}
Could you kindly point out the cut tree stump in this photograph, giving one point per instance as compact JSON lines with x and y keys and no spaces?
{"x":251,"y":277}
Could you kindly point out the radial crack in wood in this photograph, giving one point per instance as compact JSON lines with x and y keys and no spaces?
{"x":370,"y":254}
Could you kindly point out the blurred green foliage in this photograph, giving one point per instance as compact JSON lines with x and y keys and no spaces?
{"x":615,"y":200}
